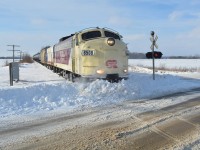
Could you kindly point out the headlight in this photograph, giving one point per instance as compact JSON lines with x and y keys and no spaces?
{"x":100,"y":71}
{"x":111,"y":41}
{"x":125,"y":70}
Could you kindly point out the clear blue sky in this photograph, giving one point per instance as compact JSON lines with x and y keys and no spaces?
{"x":33,"y":24}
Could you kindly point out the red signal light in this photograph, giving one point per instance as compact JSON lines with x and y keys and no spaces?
{"x":157,"y":54}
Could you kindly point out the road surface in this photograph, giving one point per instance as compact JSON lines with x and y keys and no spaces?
{"x":112,"y":127}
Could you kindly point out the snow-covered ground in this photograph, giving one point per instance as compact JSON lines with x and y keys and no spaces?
{"x":4,"y":61}
{"x":41,"y":93}
{"x":168,"y":63}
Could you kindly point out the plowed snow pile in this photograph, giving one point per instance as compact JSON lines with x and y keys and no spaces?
{"x":40,"y":91}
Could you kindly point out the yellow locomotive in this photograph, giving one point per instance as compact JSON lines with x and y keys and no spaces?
{"x":91,"y":53}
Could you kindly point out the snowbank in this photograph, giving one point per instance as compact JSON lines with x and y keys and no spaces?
{"x":40,"y":91}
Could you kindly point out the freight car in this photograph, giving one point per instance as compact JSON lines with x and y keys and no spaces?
{"x":36,"y":57}
{"x":90,"y":53}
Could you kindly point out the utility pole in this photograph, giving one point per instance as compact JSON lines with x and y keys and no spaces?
{"x":20,"y":55}
{"x":14,"y":50}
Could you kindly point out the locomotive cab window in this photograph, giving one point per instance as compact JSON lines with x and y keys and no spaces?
{"x":91,"y":35}
{"x":113,"y":35}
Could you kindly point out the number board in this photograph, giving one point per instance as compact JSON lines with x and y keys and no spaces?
{"x":88,"y":52}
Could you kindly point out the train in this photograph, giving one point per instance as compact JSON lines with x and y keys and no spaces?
{"x":92,"y":53}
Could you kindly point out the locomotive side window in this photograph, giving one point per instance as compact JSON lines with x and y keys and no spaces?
{"x":91,"y":35}
{"x":113,"y":35}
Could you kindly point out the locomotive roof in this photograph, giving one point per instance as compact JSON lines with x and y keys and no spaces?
{"x":89,"y":29}
{"x":97,"y":28}
{"x":65,"y":37}
{"x":45,"y":47}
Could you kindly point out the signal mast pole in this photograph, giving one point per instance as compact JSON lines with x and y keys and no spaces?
{"x":153,"y":40}
{"x":152,"y":34}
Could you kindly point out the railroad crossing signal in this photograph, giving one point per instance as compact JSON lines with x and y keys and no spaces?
{"x":153,"y":40}
{"x":156,"y":54}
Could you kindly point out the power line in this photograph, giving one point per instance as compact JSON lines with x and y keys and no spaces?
{"x":14,"y":50}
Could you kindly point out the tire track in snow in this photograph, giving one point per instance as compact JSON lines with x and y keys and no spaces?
{"x":162,"y":128}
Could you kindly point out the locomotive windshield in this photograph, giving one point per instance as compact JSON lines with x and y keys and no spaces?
{"x":113,"y":35}
{"x":91,"y":35}
{"x":96,"y":34}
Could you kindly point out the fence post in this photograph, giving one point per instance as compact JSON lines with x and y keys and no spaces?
{"x":11,"y":74}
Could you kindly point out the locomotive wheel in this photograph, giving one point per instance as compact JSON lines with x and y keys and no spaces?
{"x":71,"y":77}
{"x":64,"y":74}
